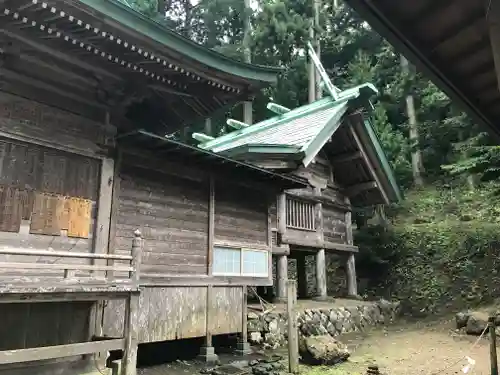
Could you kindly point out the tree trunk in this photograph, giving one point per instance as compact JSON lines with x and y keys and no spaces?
{"x":317,"y":78}
{"x":312,"y":71}
{"x":416,"y":154}
{"x":247,"y":53}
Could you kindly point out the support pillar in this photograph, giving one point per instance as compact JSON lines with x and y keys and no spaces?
{"x":243,"y":346}
{"x":301,"y":276}
{"x":321,"y":287}
{"x":352,"y":284}
{"x":281,"y":277}
{"x":207,"y":351}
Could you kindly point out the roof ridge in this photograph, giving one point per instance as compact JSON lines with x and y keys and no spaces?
{"x":270,"y":122}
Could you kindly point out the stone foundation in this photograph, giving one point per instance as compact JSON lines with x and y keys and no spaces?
{"x":270,"y":329}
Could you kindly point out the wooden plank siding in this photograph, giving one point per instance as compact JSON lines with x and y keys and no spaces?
{"x":38,"y":123}
{"x":172,"y":214}
{"x":240,"y":216}
{"x":49,"y":181}
{"x":330,"y":209}
{"x":173,"y":313}
{"x":172,"y":210}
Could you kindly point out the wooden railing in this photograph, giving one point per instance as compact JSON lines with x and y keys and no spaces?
{"x":94,"y":287}
{"x":101,"y":270}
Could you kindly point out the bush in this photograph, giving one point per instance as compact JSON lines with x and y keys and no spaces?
{"x":433,"y":267}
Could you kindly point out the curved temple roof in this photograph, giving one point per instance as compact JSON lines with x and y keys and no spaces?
{"x":295,"y":137}
{"x":126,"y":16}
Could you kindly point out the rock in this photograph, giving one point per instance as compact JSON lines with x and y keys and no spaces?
{"x":476,"y":323}
{"x":461,"y":319}
{"x":255,"y":338}
{"x":251,"y":315}
{"x":322,"y":350}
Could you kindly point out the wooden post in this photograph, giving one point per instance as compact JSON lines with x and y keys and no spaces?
{"x":352,"y":284}
{"x":242,"y":346}
{"x":281,"y":214}
{"x":321,"y":286}
{"x":282,"y":276}
{"x":293,"y":338}
{"x":131,"y":325}
{"x":493,"y":346}
{"x":136,"y":257}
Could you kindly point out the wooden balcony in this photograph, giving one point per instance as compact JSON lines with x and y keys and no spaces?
{"x":99,"y":279}
{"x":54,"y":275}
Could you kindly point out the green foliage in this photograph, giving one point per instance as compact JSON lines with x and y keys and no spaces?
{"x":440,"y":254}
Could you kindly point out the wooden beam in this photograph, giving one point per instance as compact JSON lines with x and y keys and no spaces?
{"x":45,"y":48}
{"x":48,"y":97}
{"x":354,"y":190}
{"x":347,"y":157}
{"x":59,"y":266}
{"x":274,"y":164}
{"x":131,"y":333}
{"x":63,"y":254}
{"x":59,"y":351}
{"x":58,"y":88}
{"x":368,"y":162}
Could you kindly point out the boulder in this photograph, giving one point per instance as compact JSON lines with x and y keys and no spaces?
{"x":322,"y":350}
{"x":461,"y":319}
{"x":476,"y":323}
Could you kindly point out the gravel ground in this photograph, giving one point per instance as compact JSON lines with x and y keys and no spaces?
{"x":417,"y":349}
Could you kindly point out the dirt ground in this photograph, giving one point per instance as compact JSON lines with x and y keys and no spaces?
{"x":429,"y":348}
{"x":426,"y":349}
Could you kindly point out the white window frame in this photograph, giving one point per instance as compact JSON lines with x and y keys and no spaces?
{"x":240,"y":273}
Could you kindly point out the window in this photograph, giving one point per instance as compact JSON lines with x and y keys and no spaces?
{"x":300,"y":215}
{"x":240,"y":262}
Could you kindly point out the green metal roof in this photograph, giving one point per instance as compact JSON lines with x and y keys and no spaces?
{"x":301,"y":133}
{"x":126,"y":16}
{"x":305,"y":128}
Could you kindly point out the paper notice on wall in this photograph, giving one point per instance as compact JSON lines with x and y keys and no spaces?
{"x":79,"y":217}
{"x":10,"y":209}
{"x":47,"y":210}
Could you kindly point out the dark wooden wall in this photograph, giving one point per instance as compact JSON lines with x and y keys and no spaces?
{"x":49,"y":187}
{"x":48,"y":193}
{"x":172,"y":214}
{"x":330,"y":204}
{"x":240,"y":215}
{"x":171,"y":208}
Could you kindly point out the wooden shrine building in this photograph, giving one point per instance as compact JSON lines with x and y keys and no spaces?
{"x":109,"y":230}
{"x":330,"y":144}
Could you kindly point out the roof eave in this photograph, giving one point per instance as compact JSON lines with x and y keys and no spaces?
{"x":138,"y":23}
{"x":368,"y":11}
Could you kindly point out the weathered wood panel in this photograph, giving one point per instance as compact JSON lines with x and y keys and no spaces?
{"x":35,"y":183}
{"x":165,"y":314}
{"x":31,"y":120}
{"x":240,"y":215}
{"x":334,"y":225}
{"x":172,"y":214}
{"x":29,"y":325}
{"x":174,"y":313}
{"x":226,"y":310}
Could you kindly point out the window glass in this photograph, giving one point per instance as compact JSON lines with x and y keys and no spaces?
{"x":255,"y":263}
{"x":226,"y":261}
